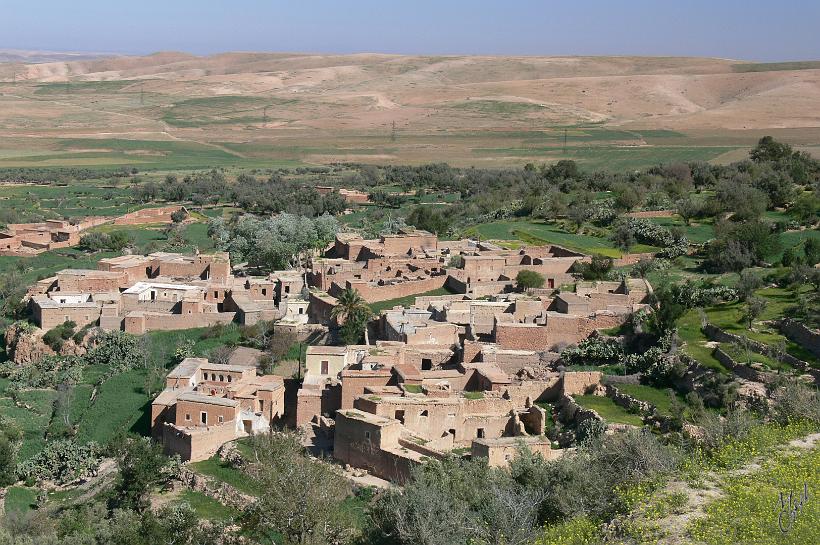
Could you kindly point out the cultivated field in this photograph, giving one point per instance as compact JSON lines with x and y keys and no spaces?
{"x":172,"y":110}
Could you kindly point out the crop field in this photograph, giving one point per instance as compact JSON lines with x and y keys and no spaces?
{"x":608,"y":410}
{"x":543,"y":233}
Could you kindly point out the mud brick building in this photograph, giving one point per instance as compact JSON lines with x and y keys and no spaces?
{"x":204,"y":405}
{"x":166,"y":291}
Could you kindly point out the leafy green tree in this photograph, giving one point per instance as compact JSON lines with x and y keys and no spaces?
{"x":429,"y":219}
{"x":527,"y":279}
{"x":179,"y":216}
{"x":748,"y":283}
{"x":622,"y":237}
{"x":768,"y":149}
{"x":353,"y":312}
{"x":596,"y":269}
{"x":303,"y":497}
{"x":755,"y":306}
{"x":811,"y":249}
{"x":142,"y":466}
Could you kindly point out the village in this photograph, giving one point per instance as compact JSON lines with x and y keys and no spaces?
{"x":466,"y":372}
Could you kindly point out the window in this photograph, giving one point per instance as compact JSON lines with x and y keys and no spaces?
{"x":264,"y":291}
{"x":216,"y":295}
{"x":399,"y":415}
{"x":229,"y":378}
{"x":479,"y":433}
{"x":220,"y":418}
{"x":287,"y":289}
{"x":261,"y":405}
{"x":203,"y":417}
{"x":221,"y":378}
{"x":551,"y":283}
{"x":188,"y":417}
{"x":367,"y":435}
{"x":325,"y":367}
{"x":423,"y":414}
{"x":426,"y":364}
{"x":301,"y":310}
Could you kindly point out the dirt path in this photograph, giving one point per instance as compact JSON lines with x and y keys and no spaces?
{"x":698,"y":498}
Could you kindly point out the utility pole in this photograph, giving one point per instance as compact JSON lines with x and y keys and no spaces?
{"x":265,"y":115}
{"x":142,"y":92}
{"x":393,"y":132}
{"x":565,"y":141}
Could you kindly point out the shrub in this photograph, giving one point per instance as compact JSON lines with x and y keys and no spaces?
{"x":527,"y":279}
{"x":118,"y":350}
{"x":55,"y":337}
{"x":594,"y":351}
{"x":61,"y":461}
{"x":794,"y":401}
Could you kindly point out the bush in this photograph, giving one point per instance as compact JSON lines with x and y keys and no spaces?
{"x":597,"y":269}
{"x":55,"y":337}
{"x":794,"y":401}
{"x":119,"y":351}
{"x":527,"y":279}
{"x":61,"y":461}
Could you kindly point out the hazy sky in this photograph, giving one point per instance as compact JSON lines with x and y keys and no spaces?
{"x":741,"y":29}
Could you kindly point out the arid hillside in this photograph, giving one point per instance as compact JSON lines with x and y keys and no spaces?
{"x":321,"y":108}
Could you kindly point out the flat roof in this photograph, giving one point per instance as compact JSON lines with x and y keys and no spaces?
{"x":140,"y":287}
{"x":187,"y":367}
{"x":326,"y":350}
{"x":512,"y":441}
{"x":91,"y":273}
{"x":209,"y":400}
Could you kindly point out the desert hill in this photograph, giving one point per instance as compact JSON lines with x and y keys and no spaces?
{"x":263,"y":98}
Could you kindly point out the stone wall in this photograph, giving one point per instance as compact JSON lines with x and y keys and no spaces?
{"x":741,"y":369}
{"x":221,"y":492}
{"x":802,"y":335}
{"x":628,"y":402}
{"x":569,"y":412}
{"x":717,"y":334}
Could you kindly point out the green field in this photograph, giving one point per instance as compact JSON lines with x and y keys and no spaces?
{"x":656,"y":396}
{"x":541,"y":233}
{"x":608,"y":410}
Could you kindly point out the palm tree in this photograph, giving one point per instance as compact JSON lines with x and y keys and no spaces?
{"x":351,"y":306}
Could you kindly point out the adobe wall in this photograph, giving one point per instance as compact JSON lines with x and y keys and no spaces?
{"x":199,"y":445}
{"x":351,"y":447}
{"x":320,"y":308}
{"x":630,"y":259}
{"x":312,"y":402}
{"x":193,"y":409}
{"x":90,"y":284}
{"x":147,"y":215}
{"x":355,"y":381}
{"x":140,"y":323}
{"x":580,"y":382}
{"x":501,"y":455}
{"x":374,"y":293}
{"x":49,"y":318}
